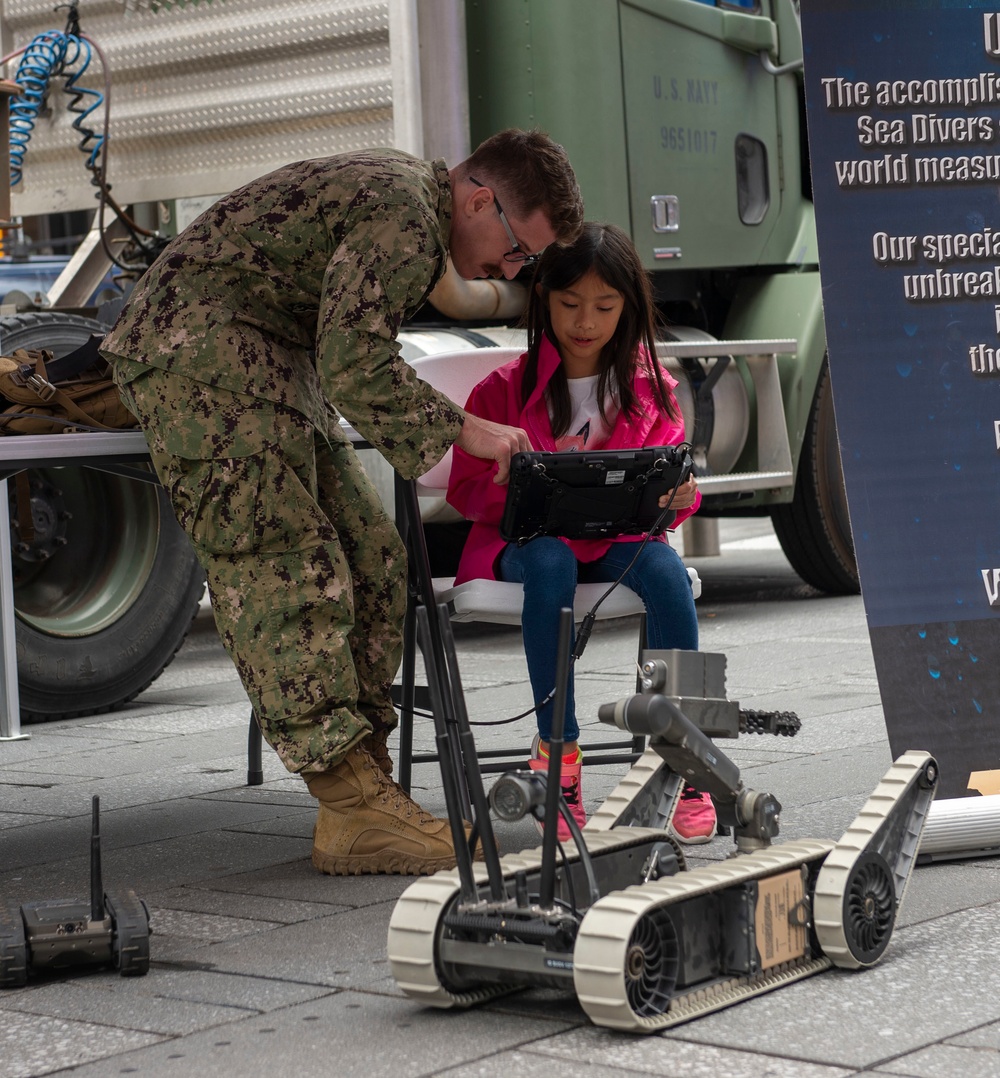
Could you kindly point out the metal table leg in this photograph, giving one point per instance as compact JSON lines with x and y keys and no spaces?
{"x":10,"y":705}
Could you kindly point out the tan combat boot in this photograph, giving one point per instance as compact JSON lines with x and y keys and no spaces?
{"x":367,"y":823}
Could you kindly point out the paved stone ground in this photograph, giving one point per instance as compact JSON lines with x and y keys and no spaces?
{"x":260,"y":966}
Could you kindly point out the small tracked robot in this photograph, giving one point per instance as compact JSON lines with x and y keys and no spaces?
{"x":58,"y":934}
{"x":644,"y":943}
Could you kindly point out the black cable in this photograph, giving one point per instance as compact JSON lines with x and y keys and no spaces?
{"x":587,"y":624}
{"x":418,"y":713}
{"x":72,"y":17}
{"x":99,"y":171}
{"x":568,"y":877}
{"x":585,"y":861}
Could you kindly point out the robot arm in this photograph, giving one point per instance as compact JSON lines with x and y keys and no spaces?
{"x":689,"y":752}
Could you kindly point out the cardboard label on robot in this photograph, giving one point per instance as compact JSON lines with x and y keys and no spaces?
{"x":779,"y":902}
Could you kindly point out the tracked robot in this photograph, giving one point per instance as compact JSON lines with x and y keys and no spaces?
{"x":616,"y":917}
{"x":56,"y":935}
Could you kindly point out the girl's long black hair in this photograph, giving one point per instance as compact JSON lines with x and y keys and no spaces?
{"x":610,"y":253}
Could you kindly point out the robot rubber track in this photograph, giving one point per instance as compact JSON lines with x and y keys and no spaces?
{"x":624,"y":960}
{"x":416,"y":922}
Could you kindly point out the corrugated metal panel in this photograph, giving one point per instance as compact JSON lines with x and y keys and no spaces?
{"x":207,"y":96}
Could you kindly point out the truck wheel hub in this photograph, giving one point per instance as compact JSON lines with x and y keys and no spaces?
{"x":49,"y":519}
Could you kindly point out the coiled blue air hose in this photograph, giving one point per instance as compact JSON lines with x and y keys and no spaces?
{"x":65,"y":56}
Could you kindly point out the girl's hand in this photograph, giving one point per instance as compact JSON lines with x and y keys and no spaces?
{"x":684,"y":498}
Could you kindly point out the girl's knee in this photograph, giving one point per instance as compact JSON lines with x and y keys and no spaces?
{"x":547,"y":559}
{"x":662,"y":565}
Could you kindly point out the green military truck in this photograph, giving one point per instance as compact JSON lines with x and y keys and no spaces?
{"x":685,"y":122}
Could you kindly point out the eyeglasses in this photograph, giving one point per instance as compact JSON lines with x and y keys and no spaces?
{"x":515,"y":254}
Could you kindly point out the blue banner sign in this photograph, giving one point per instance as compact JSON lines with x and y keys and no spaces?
{"x":903,"y":107}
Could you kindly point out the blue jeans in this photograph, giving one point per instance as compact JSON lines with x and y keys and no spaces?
{"x":550,"y":572}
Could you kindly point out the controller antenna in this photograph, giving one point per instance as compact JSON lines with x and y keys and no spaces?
{"x":96,"y":882}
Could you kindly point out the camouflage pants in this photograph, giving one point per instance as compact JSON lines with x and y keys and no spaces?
{"x":305,"y":570}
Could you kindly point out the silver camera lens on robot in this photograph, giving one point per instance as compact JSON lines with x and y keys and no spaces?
{"x":516,"y":793}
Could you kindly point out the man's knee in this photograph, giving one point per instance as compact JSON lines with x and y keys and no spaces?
{"x":378,"y":571}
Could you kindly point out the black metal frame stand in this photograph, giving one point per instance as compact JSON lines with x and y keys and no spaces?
{"x":421,"y":594}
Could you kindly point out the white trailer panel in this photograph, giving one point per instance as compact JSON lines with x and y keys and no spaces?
{"x":207,"y":96}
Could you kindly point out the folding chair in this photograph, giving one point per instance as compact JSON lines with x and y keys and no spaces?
{"x":499,"y":602}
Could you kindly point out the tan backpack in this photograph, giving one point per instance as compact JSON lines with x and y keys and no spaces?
{"x":46,"y":396}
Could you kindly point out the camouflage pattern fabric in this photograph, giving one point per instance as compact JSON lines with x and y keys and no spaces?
{"x":293,"y":289}
{"x":305,"y":569}
{"x":277,"y":308}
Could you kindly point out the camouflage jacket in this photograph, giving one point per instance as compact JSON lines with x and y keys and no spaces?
{"x":293,"y":289}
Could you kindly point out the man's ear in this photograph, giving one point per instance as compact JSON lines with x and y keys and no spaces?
{"x":478,"y":200}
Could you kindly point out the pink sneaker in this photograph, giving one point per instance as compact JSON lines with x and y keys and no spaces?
{"x":570,"y":783}
{"x":694,"y":818}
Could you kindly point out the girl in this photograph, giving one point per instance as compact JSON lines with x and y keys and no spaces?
{"x":589,"y":380}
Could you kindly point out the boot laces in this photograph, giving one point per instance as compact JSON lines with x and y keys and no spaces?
{"x":391,"y":793}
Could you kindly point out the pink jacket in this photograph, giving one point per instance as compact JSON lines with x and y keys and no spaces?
{"x":471,"y":489}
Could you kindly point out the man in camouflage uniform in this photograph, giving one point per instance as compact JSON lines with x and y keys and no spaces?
{"x":281,"y":302}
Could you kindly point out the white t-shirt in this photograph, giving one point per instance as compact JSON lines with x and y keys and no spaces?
{"x":586,"y":428}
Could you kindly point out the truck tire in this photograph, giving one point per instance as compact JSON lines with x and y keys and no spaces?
{"x":108,"y":586}
{"x":814,"y":529}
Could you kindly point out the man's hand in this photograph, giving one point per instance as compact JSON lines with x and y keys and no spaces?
{"x":492,"y":441}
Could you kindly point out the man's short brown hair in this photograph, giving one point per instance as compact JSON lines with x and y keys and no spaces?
{"x":531,"y":172}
